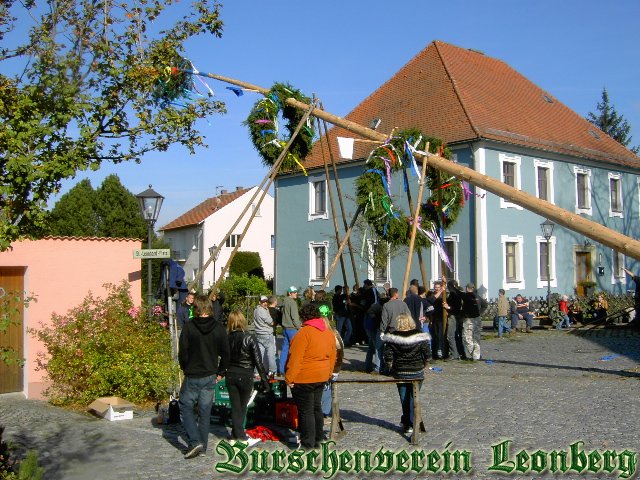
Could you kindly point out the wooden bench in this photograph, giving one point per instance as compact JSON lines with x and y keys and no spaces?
{"x":337,"y":428}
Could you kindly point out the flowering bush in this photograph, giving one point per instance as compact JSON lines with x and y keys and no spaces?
{"x":106,"y":347}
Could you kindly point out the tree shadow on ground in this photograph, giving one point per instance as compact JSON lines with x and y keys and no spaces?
{"x":359,"y":417}
{"x":620,"y":373}
{"x":54,"y":450}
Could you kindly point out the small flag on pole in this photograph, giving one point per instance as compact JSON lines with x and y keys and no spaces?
{"x":346,"y":147}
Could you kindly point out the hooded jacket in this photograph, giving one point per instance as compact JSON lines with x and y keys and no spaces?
{"x":406,"y":353}
{"x":203,"y":348}
{"x":312,"y":354}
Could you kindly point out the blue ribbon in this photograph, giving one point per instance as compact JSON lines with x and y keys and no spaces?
{"x":384,"y":180}
{"x":236,"y":90}
{"x":265,"y":132}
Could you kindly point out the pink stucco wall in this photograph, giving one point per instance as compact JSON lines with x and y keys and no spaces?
{"x":61,"y":272}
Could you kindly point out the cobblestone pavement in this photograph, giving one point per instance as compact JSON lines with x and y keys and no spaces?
{"x":543,"y":391}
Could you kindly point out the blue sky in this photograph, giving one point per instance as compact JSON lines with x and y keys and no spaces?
{"x":342,"y":51}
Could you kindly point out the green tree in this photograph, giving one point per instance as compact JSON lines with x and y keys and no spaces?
{"x":610,"y":122}
{"x":118,"y":212}
{"x":93,"y":82}
{"x":74,"y":214}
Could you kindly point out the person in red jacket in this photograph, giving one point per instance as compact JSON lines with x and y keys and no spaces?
{"x":563,"y":306}
{"x":310,"y":363}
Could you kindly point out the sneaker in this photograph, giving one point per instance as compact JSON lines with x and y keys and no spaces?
{"x":194,"y":451}
{"x":408,"y":430}
{"x":253,"y":441}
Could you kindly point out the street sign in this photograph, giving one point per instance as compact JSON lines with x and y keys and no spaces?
{"x":143,"y":253}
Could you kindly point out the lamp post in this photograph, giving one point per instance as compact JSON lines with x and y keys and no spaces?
{"x":547,"y":231}
{"x":211,"y":251}
{"x":150,"y":202}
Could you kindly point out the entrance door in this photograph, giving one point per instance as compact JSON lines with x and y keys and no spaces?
{"x":12,"y":284}
{"x":583,"y":271}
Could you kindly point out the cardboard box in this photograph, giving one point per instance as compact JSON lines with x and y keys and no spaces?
{"x":112,"y":408}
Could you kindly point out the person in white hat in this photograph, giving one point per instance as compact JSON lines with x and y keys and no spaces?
{"x":290,"y":323}
{"x":263,"y":325}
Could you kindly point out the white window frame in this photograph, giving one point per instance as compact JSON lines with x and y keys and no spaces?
{"x":540,"y":283}
{"x":256,"y":208}
{"x":537,"y":163}
{"x":519,"y":284}
{"x":618,"y":177}
{"x":312,"y":200}
{"x":587,"y":172}
{"x":620,"y":276}
{"x":435,"y":258}
{"x":313,"y":280}
{"x":517,"y":161}
{"x":370,"y":270}
{"x":232,"y":241}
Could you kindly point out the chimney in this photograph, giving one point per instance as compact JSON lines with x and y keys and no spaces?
{"x":238,"y":189}
{"x":223,"y":192}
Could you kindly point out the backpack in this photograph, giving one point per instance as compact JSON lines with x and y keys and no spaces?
{"x":174,"y":411}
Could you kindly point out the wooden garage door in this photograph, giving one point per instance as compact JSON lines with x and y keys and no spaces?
{"x":12,"y":283}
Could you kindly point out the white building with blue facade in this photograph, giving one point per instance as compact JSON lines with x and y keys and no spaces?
{"x":502,"y":125}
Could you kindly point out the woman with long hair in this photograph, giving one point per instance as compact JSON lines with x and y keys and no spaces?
{"x":406,"y":353}
{"x":245,"y":357}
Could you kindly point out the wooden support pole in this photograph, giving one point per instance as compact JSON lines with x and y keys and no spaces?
{"x":593,"y":230}
{"x":340,"y":250}
{"x":273,"y":173}
{"x":423,"y":271}
{"x":414,"y":227}
{"x":331,"y":201}
{"x":336,"y":179}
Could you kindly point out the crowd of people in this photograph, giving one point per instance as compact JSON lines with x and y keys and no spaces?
{"x":401,"y":333}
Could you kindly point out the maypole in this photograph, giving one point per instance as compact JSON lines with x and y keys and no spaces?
{"x":595,"y":231}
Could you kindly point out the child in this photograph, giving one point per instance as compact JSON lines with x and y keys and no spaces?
{"x":563,"y":306}
{"x":503,"y":310}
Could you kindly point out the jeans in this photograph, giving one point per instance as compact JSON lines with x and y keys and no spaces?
{"x":564,"y":320}
{"x":525,"y":316}
{"x":502,"y":325}
{"x":267,"y":348}
{"x":346,"y":323}
{"x":372,"y":361}
{"x":380,"y":353}
{"x":326,"y":399}
{"x":308,"y":398}
{"x":288,"y":334}
{"x":471,"y":331}
{"x":197,"y":391}
{"x":239,"y":387}
{"x":454,"y":335}
{"x":405,"y":390}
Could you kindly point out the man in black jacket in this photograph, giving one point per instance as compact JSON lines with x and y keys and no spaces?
{"x":454,"y":319}
{"x":203,"y":356}
{"x":472,"y":307}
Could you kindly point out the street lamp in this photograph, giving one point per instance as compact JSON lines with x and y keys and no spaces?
{"x":547,"y":231}
{"x":150,"y":202}
{"x":215,"y":257}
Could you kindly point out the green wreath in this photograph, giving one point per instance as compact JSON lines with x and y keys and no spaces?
{"x":375,"y":195}
{"x":264,"y":130}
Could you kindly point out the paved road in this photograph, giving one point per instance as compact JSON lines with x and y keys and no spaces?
{"x":543,"y":391}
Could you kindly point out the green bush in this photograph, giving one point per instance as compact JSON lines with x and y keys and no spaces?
{"x":106,"y":347}
{"x":242,"y":292}
{"x":247,"y":262}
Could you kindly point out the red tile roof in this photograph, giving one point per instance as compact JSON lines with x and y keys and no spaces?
{"x":461,"y":95}
{"x":204,"y":210}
